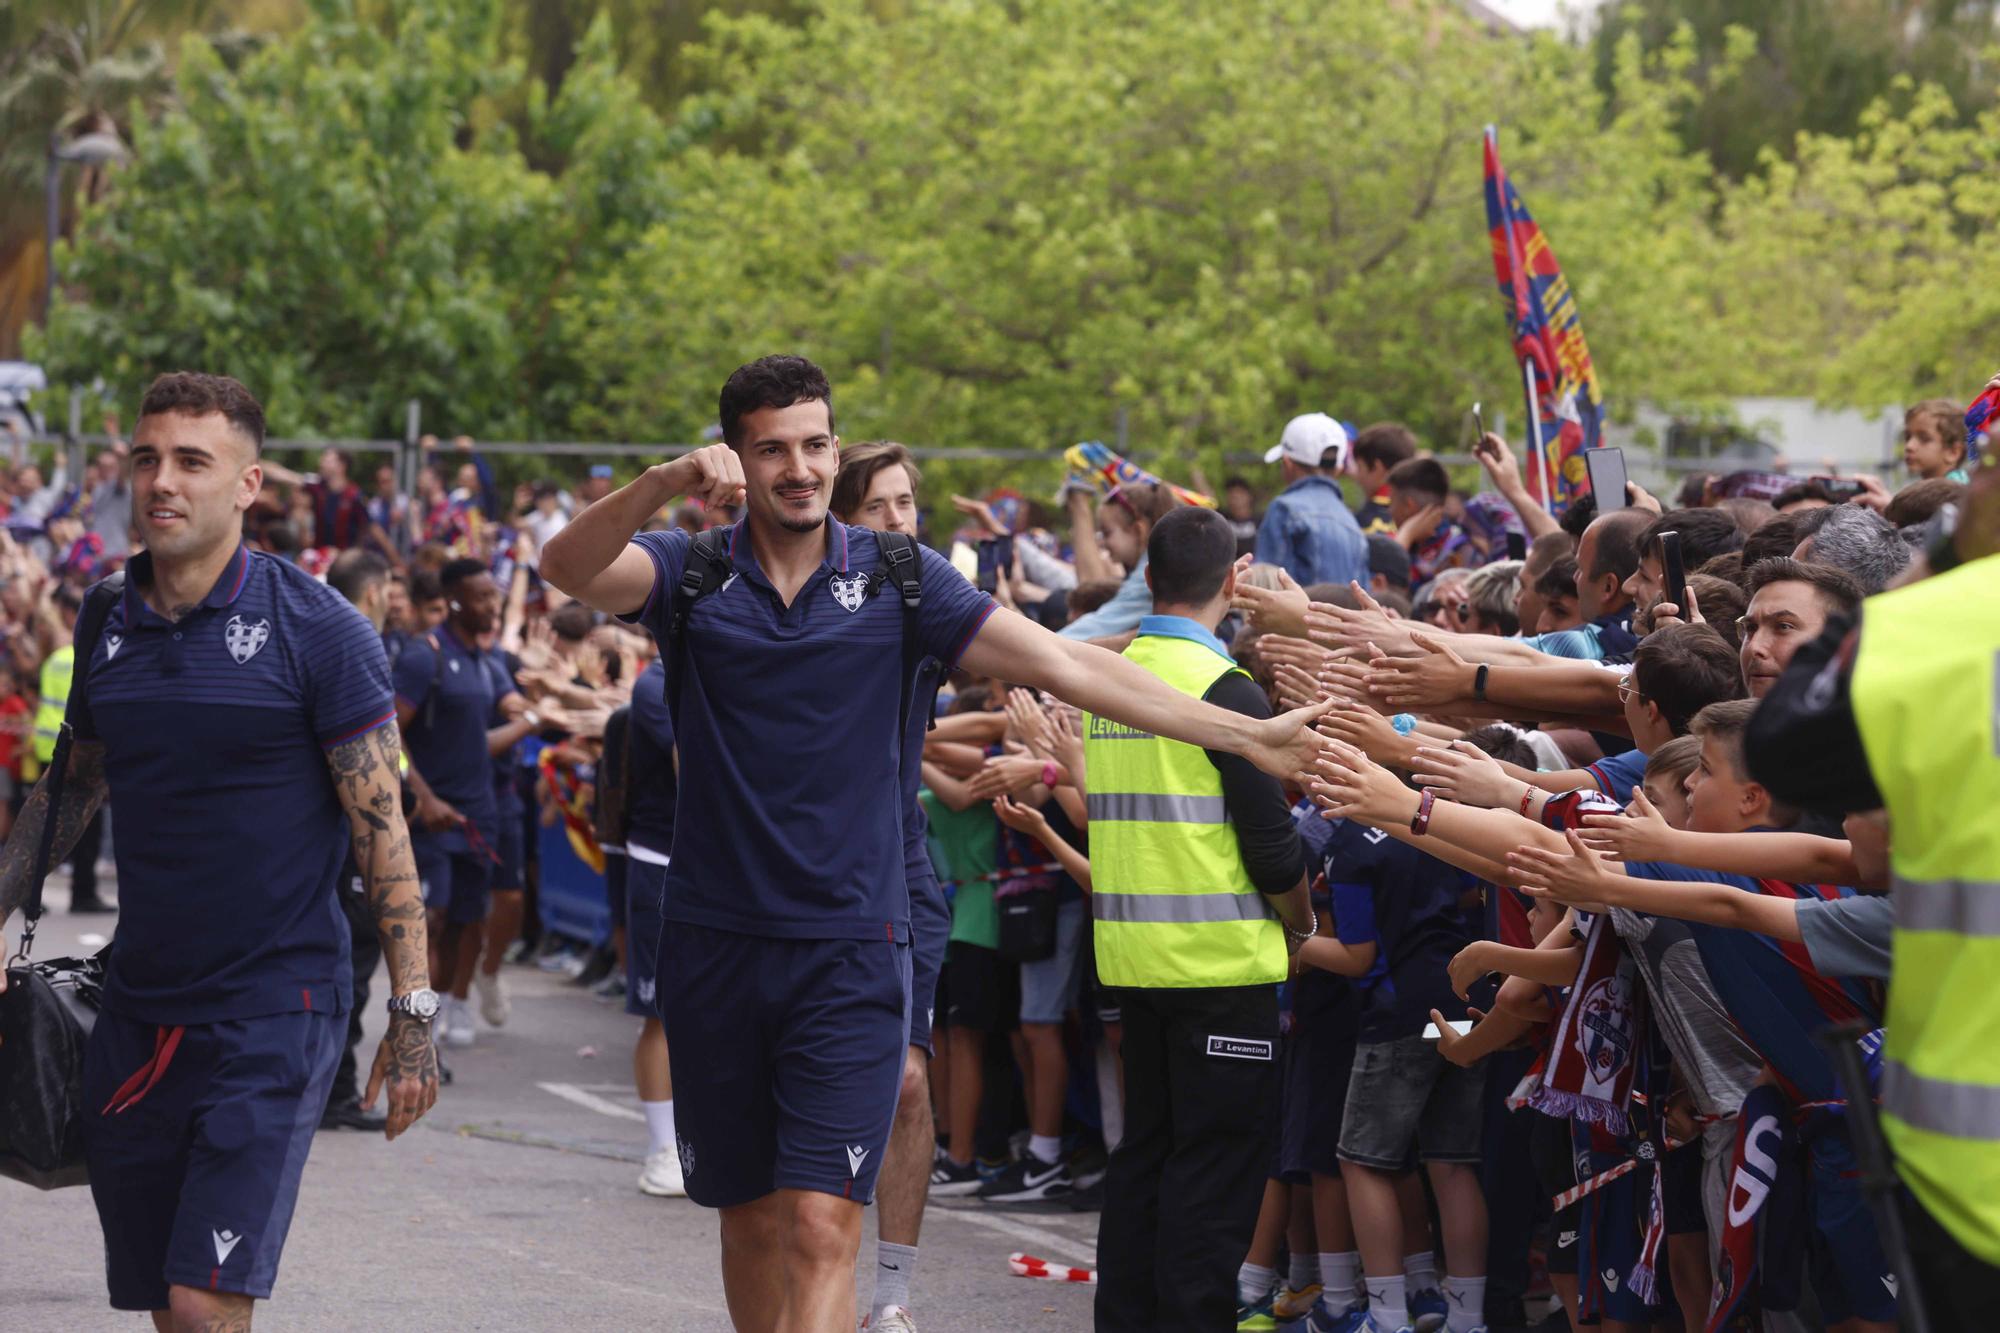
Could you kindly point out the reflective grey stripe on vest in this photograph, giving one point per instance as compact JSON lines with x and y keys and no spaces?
{"x":1941,"y":1106}
{"x":1177,"y":909}
{"x":1955,"y":906}
{"x":1153,"y":808}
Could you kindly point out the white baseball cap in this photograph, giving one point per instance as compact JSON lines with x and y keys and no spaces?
{"x":1307,"y":439}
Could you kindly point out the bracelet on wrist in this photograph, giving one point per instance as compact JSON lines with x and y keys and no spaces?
{"x":1422,"y":823}
{"x":1297,"y":937}
{"x":1527,"y":799}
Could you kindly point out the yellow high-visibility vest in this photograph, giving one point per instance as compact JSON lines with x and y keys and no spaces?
{"x":1171,"y":901}
{"x":56,"y":673}
{"x":1924,"y":697}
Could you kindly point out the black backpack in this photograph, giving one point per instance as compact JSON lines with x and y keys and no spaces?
{"x":708,"y":568}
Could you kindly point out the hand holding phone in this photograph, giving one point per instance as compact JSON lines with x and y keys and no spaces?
{"x":1462,"y":1026}
{"x":1606,"y":468}
{"x":1674,"y":580}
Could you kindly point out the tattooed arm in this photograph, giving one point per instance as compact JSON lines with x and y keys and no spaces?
{"x":365,"y":775}
{"x":84,"y":790}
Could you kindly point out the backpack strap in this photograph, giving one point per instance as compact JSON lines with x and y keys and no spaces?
{"x":903,"y":570}
{"x":707,"y":568}
{"x":430,"y":713}
{"x":97,"y":604}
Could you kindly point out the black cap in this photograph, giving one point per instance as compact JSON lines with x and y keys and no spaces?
{"x":1387,"y":557}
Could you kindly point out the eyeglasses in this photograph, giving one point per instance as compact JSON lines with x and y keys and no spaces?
{"x":1628,"y":690}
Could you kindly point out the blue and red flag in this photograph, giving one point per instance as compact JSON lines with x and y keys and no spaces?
{"x":1548,"y":339}
{"x":1980,"y":422}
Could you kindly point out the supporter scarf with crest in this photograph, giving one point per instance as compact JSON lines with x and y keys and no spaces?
{"x":1761,"y":1130}
{"x":1586,"y":1071}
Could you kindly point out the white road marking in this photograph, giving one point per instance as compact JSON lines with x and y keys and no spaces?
{"x":590,"y":1101}
{"x":1050,"y":1245}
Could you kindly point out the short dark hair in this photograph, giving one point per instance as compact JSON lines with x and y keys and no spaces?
{"x":1694,"y":489}
{"x":1090,"y":594}
{"x":1947,"y":416}
{"x":1722,"y":602}
{"x":1503,"y":743}
{"x":1558,"y":580}
{"x":1705,"y":534}
{"x":1582,"y":512}
{"x":1233,"y":483}
{"x":1548,"y":548}
{"x":192,"y":393}
{"x":1683,"y":669}
{"x":770,"y":381}
{"x":1919,"y":500}
{"x":282,"y":538}
{"x":1778,"y":535}
{"x":572,"y":622}
{"x":1838,"y":590}
{"x":458,"y":571}
{"x":354,"y":571}
{"x":1726,"y":722}
{"x":1801,"y":490}
{"x":1728,"y":567}
{"x":1748,"y":514}
{"x":346,"y":459}
{"x":1188,"y":556}
{"x":1425,"y":476}
{"x":1385,"y":444}
{"x":425,"y":587}
{"x":1389,"y":558}
{"x":1617,"y":545}
{"x":858,"y":465}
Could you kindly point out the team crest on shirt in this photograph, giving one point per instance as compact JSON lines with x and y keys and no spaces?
{"x":245,"y":639}
{"x":851,"y":591}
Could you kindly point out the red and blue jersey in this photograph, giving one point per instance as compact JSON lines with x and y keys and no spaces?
{"x":1769,"y":985}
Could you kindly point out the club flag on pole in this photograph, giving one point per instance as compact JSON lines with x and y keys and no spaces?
{"x":1565,"y":402}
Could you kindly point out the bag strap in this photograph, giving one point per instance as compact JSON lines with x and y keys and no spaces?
{"x":97,"y":604}
{"x":707,"y":569}
{"x":430,"y":713}
{"x":902,"y":569}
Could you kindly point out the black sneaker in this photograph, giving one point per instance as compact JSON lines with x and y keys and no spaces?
{"x":949,"y":1179}
{"x":90,"y":907}
{"x":1087,"y":1198}
{"x":347,"y":1114}
{"x":1029,"y":1180}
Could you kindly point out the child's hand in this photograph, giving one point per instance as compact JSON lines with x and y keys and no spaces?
{"x":1469,"y":965}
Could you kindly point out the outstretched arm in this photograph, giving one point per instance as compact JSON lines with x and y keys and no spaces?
{"x":1576,"y":875}
{"x":365,"y":777}
{"x":84,"y":790}
{"x":592,"y":558}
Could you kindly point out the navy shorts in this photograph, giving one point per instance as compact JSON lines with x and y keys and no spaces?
{"x":195,"y":1180}
{"x":645,"y":890}
{"x":787,"y":1060}
{"x":457,"y":880}
{"x":1294,"y":1123}
{"x":1326,"y":1026}
{"x":930,"y":929}
{"x":1850,"y":1272}
{"x":510,"y":845}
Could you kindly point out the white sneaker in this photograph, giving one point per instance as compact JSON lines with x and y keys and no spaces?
{"x":460,"y":1031}
{"x":662,"y":1176}
{"x":895,"y":1319}
{"x":494,"y":1006}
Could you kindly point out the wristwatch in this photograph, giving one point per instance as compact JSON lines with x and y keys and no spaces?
{"x":421,"y":1005}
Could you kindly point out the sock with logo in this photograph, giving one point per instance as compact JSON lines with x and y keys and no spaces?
{"x":1387,"y":1305}
{"x":893,"y":1265}
{"x":1045,"y":1148}
{"x":1254,"y":1282}
{"x":1420,"y":1271}
{"x":1465,"y":1303}
{"x":1340,"y":1274}
{"x":659,"y":1124}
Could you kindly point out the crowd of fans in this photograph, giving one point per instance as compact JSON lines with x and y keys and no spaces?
{"x":1527,"y":674}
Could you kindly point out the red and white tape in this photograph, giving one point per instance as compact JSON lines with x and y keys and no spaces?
{"x":1026,"y":1265}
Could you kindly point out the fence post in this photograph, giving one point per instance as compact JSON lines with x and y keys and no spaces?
{"x":409,"y":455}
{"x":72,"y":446}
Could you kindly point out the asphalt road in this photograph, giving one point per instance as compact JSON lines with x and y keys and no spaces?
{"x":514,"y":1206}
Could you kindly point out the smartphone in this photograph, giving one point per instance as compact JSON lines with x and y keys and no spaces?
{"x":1674,"y":584}
{"x":988,"y":577}
{"x":1474,"y":430}
{"x":1839,"y":489}
{"x":1462,"y":1026}
{"x":1004,"y":556}
{"x":1606,"y":466}
{"x":1517,"y":546}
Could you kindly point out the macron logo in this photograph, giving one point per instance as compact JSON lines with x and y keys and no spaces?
{"x":112,"y":643}
{"x":855,"y":1157}
{"x":225,"y":1243}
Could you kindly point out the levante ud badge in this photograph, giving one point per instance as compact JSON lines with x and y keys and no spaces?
{"x":245,"y":639}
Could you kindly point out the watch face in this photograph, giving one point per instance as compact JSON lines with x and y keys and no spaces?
{"x":421,"y":1004}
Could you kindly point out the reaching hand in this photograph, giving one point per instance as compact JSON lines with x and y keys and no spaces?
{"x":1027,"y":720}
{"x":1642,"y":498}
{"x":406,"y":1063}
{"x":1467,"y":966}
{"x":1467,"y":774}
{"x":1451,"y":1045}
{"x":1338,"y":627}
{"x":1576,"y":877}
{"x":713,"y":475}
{"x":1665,"y":613}
{"x":1299,"y":652}
{"x":1349,"y":784}
{"x":1642,"y":833}
{"x":1274,"y":611}
{"x":1296,"y":688}
{"x":1286,"y":746}
{"x":1367,"y":731}
{"x":1874,"y":495}
{"x":982,"y":511}
{"x":1022,"y":818}
{"x":1433,"y":677}
{"x":1420,"y":525}
{"x":1003,"y":775}
{"x":1500,"y":464}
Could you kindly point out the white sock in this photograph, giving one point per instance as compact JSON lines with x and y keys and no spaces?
{"x":1387,"y":1305}
{"x":1305,"y":1271}
{"x":1045,"y":1148}
{"x":893,"y":1265}
{"x":1465,"y":1303}
{"x":1340,"y":1274}
{"x":659,"y":1124}
{"x":1254,"y":1283}
{"x":1420,"y":1271}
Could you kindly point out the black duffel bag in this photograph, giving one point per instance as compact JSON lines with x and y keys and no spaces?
{"x":48,"y":1009}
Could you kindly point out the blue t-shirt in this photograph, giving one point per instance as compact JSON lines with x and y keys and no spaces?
{"x":1406,"y":903}
{"x":793,"y":822}
{"x":1769,"y":986}
{"x":447,"y":737}
{"x":230,"y":833}
{"x":1616,"y":775}
{"x":651,"y":782}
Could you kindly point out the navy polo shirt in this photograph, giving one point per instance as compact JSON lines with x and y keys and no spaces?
{"x":447,"y":742}
{"x":501,"y":665}
{"x":653,"y":786}
{"x":230,"y":833}
{"x":792,"y":808}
